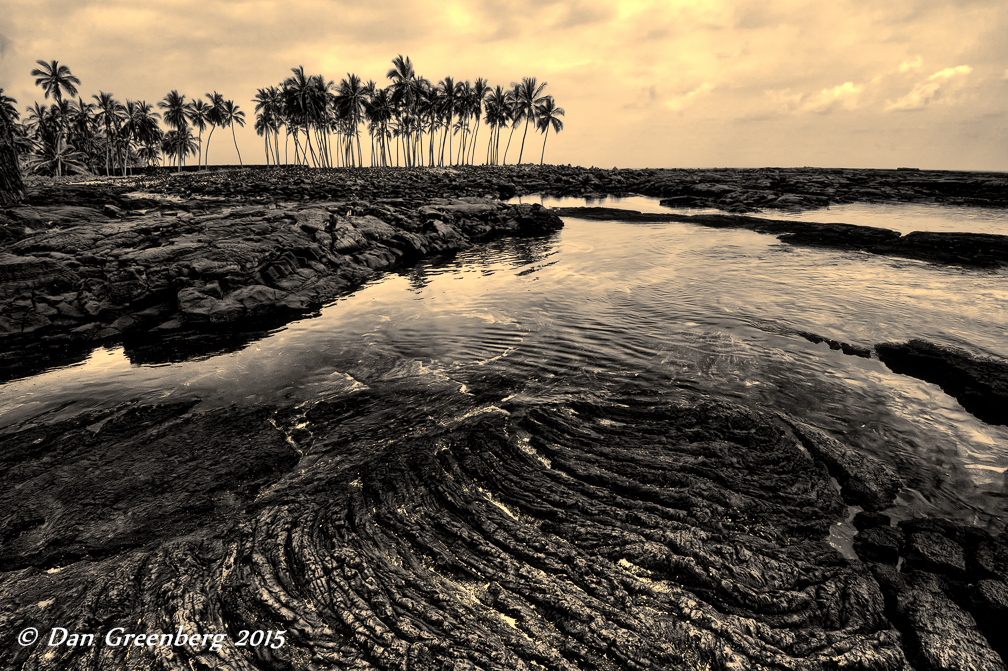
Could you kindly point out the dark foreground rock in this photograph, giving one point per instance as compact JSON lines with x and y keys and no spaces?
{"x":979,"y":384}
{"x":104,"y":266}
{"x":950,"y":598}
{"x":631,"y":533}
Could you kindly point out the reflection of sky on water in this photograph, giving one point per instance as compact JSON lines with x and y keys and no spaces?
{"x":604,"y":307}
{"x":902,"y":217}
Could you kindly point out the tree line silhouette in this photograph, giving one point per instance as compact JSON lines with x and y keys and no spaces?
{"x":411,"y":122}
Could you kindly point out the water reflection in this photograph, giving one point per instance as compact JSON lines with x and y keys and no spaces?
{"x":902,"y":217}
{"x":607,"y":308}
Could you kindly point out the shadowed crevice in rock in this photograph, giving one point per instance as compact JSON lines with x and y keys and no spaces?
{"x":979,"y":384}
{"x":622,"y":533}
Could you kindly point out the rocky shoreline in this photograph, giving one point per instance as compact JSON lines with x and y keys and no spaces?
{"x":82,"y":264}
{"x":104,"y":266}
{"x":610,"y":533}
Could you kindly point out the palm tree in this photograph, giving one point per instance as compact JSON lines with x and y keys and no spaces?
{"x":497,"y":115}
{"x":55,"y":157}
{"x":174,"y":106}
{"x":352,"y":98}
{"x":11,"y":185}
{"x":231,"y":116}
{"x":141,"y":126}
{"x":197,"y":112}
{"x":55,"y":79}
{"x":403,"y":78}
{"x":215,"y":117}
{"x":480,"y":90}
{"x":179,"y":143}
{"x":516,"y":112}
{"x":306,"y":101}
{"x":449,"y":99}
{"x":529,"y":97}
{"x":547,"y":114}
{"x":110,"y":112}
{"x":83,"y":128}
{"x":380,"y":111}
{"x":8,"y":112}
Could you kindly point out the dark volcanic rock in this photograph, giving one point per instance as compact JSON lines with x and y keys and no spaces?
{"x":626,"y":534}
{"x":928,"y":551}
{"x":107,"y":272}
{"x":92,"y":486}
{"x":864,"y":480}
{"x":938,"y":633}
{"x":882,"y":544}
{"x":980,"y":385}
{"x":966,"y":249}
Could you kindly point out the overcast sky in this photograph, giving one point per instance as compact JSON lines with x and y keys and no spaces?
{"x":852,"y":83}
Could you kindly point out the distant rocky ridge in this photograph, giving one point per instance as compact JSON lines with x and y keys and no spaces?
{"x":733,"y":190}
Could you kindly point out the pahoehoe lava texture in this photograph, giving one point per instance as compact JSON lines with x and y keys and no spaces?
{"x":624,"y":533}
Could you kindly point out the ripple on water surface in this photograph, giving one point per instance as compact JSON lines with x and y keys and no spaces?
{"x":609,"y":307}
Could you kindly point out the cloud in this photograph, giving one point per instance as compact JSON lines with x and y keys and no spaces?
{"x":911,"y":65}
{"x":843,"y":95}
{"x":928,"y":90}
{"x":646,"y":97}
{"x":679,"y":102}
{"x":1005,"y":75}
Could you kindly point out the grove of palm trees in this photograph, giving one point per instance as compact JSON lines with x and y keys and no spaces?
{"x":411,"y":122}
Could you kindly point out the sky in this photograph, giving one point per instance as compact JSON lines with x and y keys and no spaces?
{"x":673,"y":84}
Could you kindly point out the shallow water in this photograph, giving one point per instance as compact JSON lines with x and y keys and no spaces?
{"x":902,"y":217}
{"x":607,"y":307}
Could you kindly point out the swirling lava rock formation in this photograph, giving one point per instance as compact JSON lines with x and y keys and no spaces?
{"x":626,"y":532}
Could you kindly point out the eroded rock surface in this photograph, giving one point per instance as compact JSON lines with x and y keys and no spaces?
{"x":611,"y":534}
{"x":77,"y":274}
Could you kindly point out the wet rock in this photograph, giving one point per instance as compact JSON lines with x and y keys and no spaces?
{"x":882,"y":544}
{"x":989,"y":604}
{"x":631,"y":533}
{"x":222,"y":264}
{"x":929,"y":551}
{"x":979,"y":384}
{"x":938,"y":633}
{"x":864,"y":480}
{"x":105,"y":482}
{"x":867,"y":520}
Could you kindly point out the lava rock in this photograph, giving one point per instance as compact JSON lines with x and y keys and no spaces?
{"x":979,"y":384}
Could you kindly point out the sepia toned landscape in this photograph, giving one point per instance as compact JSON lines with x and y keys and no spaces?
{"x":394,"y":380}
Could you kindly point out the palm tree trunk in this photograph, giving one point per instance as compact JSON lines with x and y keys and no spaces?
{"x":475,"y":136}
{"x":545,"y":135}
{"x":523,"y":139}
{"x":236,"y":146}
{"x":508,"y":146}
{"x":206,"y":158}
